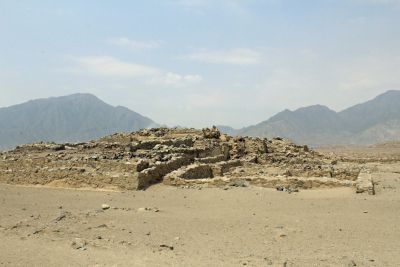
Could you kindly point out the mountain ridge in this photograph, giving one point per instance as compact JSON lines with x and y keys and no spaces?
{"x":376,"y":120}
{"x":71,"y":118}
{"x":82,"y":117}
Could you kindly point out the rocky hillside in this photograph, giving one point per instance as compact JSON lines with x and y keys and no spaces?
{"x":72,"y":118}
{"x":374,"y":121}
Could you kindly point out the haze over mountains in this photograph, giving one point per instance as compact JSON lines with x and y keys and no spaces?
{"x":70,"y":118}
{"x":82,"y":117}
{"x":374,"y":121}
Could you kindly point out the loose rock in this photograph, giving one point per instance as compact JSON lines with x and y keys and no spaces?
{"x":105,"y":206}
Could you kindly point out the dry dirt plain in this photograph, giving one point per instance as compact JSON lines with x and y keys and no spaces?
{"x":172,"y":226}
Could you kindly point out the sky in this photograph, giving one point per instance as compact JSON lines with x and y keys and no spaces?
{"x":201,"y":62}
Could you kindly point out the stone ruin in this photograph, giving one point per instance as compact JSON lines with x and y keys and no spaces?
{"x":177,"y":157}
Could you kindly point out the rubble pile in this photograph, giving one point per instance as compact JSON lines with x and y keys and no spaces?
{"x":180,"y":157}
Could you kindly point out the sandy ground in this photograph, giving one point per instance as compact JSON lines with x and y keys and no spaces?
{"x":209,"y":227}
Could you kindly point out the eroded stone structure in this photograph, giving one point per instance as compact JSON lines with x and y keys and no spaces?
{"x":180,"y":157}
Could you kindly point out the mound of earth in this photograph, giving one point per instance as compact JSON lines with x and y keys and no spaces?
{"x":179,"y":157}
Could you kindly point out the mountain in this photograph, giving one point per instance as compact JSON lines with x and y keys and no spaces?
{"x":377,"y":120}
{"x":228,"y":130}
{"x":81,"y":117}
{"x":382,"y":108}
{"x":70,"y":118}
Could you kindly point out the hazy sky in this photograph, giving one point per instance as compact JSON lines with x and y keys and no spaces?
{"x":201,"y":62}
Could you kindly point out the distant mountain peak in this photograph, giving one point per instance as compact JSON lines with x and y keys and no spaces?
{"x":81,"y":95}
{"x":376,"y":120}
{"x":389,"y":93}
{"x":76,"y":117}
{"x":316,"y":107}
{"x":85,"y":97}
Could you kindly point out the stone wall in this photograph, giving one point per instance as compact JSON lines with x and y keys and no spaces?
{"x":156,"y":173}
{"x":177,"y":156}
{"x":364,"y":183}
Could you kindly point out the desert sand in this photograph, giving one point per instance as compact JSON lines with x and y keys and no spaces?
{"x":250,"y":226}
{"x":206,"y":225}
